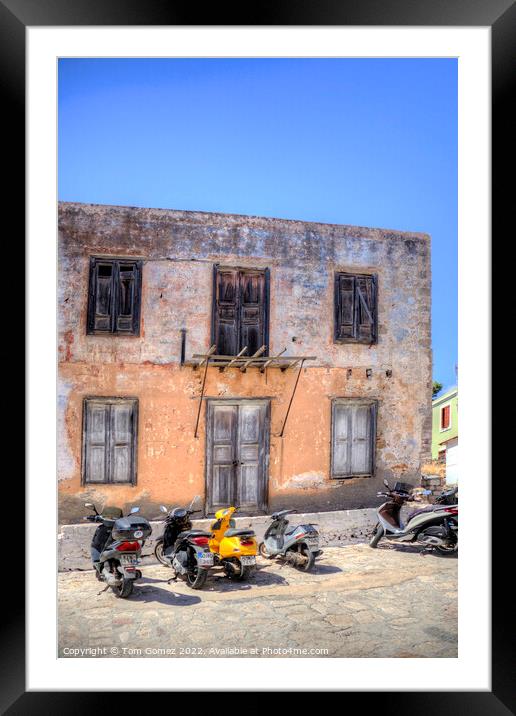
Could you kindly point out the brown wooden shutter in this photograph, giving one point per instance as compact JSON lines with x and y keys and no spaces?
{"x":95,"y":434}
{"x":101,"y":314}
{"x":252,"y":311}
{"x":355,"y":308}
{"x":226,"y":311}
{"x":127,"y":298}
{"x":365,"y":301}
{"x":240,"y":310}
{"x":345,"y":307}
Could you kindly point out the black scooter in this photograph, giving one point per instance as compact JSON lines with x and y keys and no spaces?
{"x":116,"y":547}
{"x":186,"y":550}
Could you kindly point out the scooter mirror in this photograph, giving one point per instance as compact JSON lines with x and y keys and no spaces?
{"x":134,"y":509}
{"x":163,"y":508}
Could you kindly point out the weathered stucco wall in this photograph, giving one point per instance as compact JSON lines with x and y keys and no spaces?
{"x":178,"y":251}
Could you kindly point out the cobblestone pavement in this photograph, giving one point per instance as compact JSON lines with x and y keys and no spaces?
{"x":358,"y":602}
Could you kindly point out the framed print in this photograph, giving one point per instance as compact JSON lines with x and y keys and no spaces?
{"x":237,"y":382}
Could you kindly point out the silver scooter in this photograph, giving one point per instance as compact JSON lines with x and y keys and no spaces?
{"x":297,"y":545}
{"x":434,"y":526}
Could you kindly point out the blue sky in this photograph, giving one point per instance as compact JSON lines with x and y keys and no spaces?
{"x":371,"y":142}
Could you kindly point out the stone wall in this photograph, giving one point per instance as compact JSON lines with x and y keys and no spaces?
{"x":433,"y":478}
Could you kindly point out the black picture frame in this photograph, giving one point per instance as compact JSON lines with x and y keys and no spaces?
{"x":500,"y":16}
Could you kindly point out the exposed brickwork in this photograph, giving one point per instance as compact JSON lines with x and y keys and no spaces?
{"x":178,"y":250}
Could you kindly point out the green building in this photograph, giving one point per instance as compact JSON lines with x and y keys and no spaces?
{"x":445,"y":432}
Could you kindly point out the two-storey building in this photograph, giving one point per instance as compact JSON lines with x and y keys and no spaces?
{"x":250,"y":361}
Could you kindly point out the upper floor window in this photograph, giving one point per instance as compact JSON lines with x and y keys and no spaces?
{"x":114,"y":296}
{"x":445,"y":417}
{"x":355,"y":308}
{"x":240,"y":310}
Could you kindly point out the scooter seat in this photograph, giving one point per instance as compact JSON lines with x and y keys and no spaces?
{"x":239,"y":533}
{"x":194,"y":533}
{"x":429,"y":508}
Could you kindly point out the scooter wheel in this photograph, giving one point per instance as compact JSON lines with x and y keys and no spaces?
{"x":240,"y":574}
{"x":158,"y":553}
{"x":196,"y":578}
{"x":309,"y":558}
{"x":262,"y":549}
{"x":451,"y":550}
{"x":124,"y":589}
{"x":243,"y":575}
{"x":378,"y":534}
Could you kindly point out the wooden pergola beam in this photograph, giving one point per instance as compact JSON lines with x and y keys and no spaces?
{"x":271,"y":360}
{"x":256,"y":355}
{"x":231,"y":362}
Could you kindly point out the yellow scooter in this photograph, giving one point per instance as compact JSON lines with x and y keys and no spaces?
{"x":235,"y":550}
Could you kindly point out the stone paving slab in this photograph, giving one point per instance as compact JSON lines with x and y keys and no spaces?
{"x":391,"y":602}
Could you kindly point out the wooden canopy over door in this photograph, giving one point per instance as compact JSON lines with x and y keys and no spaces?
{"x":237,"y":457}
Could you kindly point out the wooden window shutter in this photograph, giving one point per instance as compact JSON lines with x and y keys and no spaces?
{"x":240,"y":309}
{"x":252,"y":311}
{"x":110,"y":428}
{"x":114,"y":296}
{"x":353,"y":438}
{"x":355,"y":308}
{"x":345,"y":307}
{"x":122,"y":433}
{"x":128,"y":298}
{"x":226,"y":310}
{"x":362,"y":421}
{"x":341,"y":440}
{"x":365,"y":302}
{"x":95,"y":433}
{"x":100,"y":309}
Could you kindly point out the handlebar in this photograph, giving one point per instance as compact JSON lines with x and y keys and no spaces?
{"x":393,"y":493}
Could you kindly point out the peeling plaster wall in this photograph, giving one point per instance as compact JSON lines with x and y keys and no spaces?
{"x":178,"y":251}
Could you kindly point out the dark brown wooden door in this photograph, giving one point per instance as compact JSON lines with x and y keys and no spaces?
{"x":237,"y":455}
{"x":240,"y":310}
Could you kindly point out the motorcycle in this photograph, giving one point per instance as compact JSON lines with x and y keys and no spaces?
{"x":297,"y":545}
{"x":116,"y":547}
{"x":186,"y":550}
{"x":435,"y":526}
{"x":235,"y":550}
